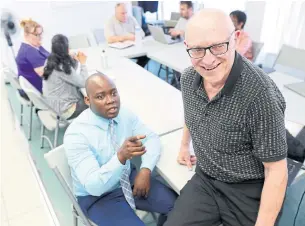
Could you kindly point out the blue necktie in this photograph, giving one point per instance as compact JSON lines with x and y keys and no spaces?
{"x":124,"y":180}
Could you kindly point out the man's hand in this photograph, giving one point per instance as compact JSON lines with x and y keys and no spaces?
{"x":185,"y":158}
{"x":142,"y":183}
{"x":174,"y":33}
{"x":130,"y":37}
{"x":131,"y":147}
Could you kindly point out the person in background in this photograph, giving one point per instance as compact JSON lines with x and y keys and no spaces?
{"x":234,"y":114}
{"x":243,"y":42}
{"x":186,"y":12}
{"x":99,"y":145}
{"x":63,"y":76}
{"x":121,"y":27}
{"x":31,"y":56}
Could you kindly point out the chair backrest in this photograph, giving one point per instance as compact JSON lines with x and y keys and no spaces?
{"x":256,"y":49}
{"x":291,"y":60}
{"x":58,"y":162}
{"x":175,"y":16}
{"x":78,"y":41}
{"x":34,"y":95}
{"x":13,"y":79}
{"x":99,"y":35}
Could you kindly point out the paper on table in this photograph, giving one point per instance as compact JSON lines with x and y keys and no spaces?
{"x":121,"y":45}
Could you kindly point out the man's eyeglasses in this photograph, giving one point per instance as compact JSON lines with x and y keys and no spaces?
{"x":217,"y":49}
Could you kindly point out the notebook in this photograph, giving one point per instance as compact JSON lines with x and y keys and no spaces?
{"x":121,"y":45}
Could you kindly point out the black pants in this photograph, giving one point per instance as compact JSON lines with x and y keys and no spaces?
{"x":142,"y":61}
{"x":208,"y":202}
{"x":80,"y":107}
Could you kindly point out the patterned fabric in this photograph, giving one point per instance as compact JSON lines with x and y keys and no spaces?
{"x":124,"y":180}
{"x":241,"y":127}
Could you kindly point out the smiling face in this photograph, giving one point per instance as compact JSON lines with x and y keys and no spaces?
{"x":102,"y":96}
{"x":211,"y":28}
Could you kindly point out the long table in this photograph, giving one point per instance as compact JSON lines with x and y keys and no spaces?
{"x":158,"y":104}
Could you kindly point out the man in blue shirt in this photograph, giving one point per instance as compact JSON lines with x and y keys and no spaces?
{"x":99,"y":145}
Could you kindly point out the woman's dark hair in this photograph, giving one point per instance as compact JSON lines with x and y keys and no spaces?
{"x":59,"y":59}
{"x":240,"y":16}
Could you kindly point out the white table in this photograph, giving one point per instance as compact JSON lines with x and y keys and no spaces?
{"x":282,"y":79}
{"x":173,"y":56}
{"x":148,"y":45}
{"x":155,"y":102}
{"x":175,"y":175}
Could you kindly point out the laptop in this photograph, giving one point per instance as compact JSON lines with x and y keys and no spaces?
{"x":159,"y":36}
{"x":293,"y":169}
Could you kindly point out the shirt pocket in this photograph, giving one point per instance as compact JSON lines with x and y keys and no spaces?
{"x":228,"y":136}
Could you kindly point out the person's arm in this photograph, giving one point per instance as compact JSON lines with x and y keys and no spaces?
{"x":244,"y":45}
{"x":276,"y":177}
{"x":186,"y":137}
{"x":37,"y":61}
{"x":267,"y":130}
{"x":39,"y":70}
{"x":111,"y":37}
{"x":151,"y":142}
{"x":95,"y":179}
{"x":76,"y":79}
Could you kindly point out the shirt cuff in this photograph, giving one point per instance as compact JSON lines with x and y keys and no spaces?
{"x":147,"y":165}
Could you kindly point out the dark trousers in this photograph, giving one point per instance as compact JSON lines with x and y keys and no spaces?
{"x":80,"y":107}
{"x":112,"y":209}
{"x":208,"y":202}
{"x":142,"y":61}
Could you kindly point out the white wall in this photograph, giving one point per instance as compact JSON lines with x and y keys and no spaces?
{"x":255,"y":18}
{"x":68,"y":18}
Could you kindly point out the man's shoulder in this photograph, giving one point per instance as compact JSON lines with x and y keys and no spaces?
{"x":188,"y":74}
{"x":79,"y":123}
{"x":256,"y":82}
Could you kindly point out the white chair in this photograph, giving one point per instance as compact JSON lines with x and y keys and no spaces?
{"x":99,"y":36}
{"x":175,"y":16}
{"x":49,"y":118}
{"x":256,"y":49}
{"x":290,"y":60}
{"x":78,"y":41}
{"x":58,"y":162}
{"x":13,"y":79}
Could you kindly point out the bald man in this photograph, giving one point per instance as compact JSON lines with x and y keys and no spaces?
{"x":234,"y":114}
{"x":121,"y":27}
{"x":99,"y":145}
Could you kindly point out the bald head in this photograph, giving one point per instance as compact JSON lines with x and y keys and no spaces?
{"x":121,"y":12}
{"x":209,"y":22}
{"x":211,"y":41}
{"x":102,"y":96}
{"x":96,"y":80}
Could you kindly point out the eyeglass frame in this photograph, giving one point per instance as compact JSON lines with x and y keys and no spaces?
{"x":209,"y":48}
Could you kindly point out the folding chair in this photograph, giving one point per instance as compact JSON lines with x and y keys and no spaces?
{"x":13,"y":79}
{"x":78,"y":41}
{"x":256,"y":48}
{"x":99,"y":36}
{"x":290,"y":60}
{"x":49,"y":118}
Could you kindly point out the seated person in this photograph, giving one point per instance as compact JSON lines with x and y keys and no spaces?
{"x":121,"y":27}
{"x":63,"y":77}
{"x":243,"y":42}
{"x":99,"y":145}
{"x":31,"y":56}
{"x":186,"y":12}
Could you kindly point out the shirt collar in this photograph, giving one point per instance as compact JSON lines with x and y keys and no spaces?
{"x":99,"y":121}
{"x":231,"y":80}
